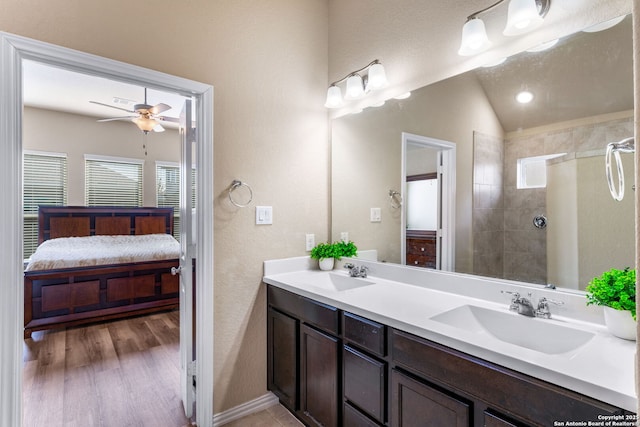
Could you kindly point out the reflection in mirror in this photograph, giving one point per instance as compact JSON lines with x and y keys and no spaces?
{"x":582,"y":100}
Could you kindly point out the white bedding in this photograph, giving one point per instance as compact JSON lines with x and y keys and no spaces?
{"x":69,"y":252}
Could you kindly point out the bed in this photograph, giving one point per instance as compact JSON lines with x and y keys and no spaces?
{"x":69,"y":290}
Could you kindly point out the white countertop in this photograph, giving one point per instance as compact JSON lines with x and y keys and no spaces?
{"x":603,"y":368}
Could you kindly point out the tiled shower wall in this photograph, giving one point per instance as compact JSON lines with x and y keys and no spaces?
{"x":505,"y":242}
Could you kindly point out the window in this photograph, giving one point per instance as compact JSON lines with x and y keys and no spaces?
{"x":45,"y":183}
{"x":532,"y":171}
{"x":168,"y":190}
{"x":113,"y":181}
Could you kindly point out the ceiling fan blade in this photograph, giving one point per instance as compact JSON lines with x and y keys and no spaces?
{"x":168,"y":119}
{"x":118,"y":118}
{"x":157,"y":109}
{"x":112,"y":106}
{"x":158,"y":128}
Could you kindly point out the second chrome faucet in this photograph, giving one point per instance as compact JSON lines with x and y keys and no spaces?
{"x":524,"y":306}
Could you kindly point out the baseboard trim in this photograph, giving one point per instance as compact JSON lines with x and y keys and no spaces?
{"x":256,"y":405}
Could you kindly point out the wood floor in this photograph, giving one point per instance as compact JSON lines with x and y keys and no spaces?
{"x":114,"y":374}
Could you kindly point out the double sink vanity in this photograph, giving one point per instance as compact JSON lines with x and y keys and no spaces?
{"x":406,"y":346}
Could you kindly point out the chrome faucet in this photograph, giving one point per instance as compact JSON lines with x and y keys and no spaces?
{"x":520,"y":304}
{"x":523,"y":305}
{"x":543,"y":307}
{"x":355,"y":271}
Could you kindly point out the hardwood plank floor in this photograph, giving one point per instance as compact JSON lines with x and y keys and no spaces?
{"x":113,"y":374}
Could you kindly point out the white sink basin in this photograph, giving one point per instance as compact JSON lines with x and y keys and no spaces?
{"x":339,"y":282}
{"x":543,"y":335}
{"x":328,"y":281}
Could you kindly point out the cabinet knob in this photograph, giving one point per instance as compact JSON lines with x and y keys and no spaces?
{"x":422,"y":249}
{"x":415,"y":262}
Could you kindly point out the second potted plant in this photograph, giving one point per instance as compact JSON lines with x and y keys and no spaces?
{"x":327,"y":253}
{"x":615,"y":290}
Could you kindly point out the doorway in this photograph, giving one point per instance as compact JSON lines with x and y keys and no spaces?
{"x":437,"y":162}
{"x":14,"y":50}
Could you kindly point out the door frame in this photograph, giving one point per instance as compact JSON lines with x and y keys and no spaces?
{"x":445,"y":236}
{"x":14,"y":49}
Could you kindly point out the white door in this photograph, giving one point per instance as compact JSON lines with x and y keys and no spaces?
{"x":187,"y":254}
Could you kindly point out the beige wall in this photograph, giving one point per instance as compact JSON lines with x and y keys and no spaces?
{"x":75,"y":135}
{"x":267,"y":62}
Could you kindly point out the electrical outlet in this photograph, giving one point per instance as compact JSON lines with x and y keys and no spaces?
{"x":310,"y":241}
{"x":344,"y":236}
{"x":376,"y":215}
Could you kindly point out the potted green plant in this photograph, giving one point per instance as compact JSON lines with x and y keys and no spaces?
{"x":615,"y":290}
{"x":345,"y":249}
{"x":325,"y":253}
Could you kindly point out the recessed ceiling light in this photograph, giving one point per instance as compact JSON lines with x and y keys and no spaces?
{"x":544,"y":46}
{"x":524,"y":97}
{"x":403,"y":96}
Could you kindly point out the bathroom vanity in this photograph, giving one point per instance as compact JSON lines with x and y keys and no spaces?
{"x":379,"y":352}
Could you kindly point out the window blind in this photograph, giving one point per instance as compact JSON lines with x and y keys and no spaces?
{"x":45,"y":183}
{"x":168,"y":191}
{"x":113,"y":182}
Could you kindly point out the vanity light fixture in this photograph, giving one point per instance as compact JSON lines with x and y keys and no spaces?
{"x":357,"y":84}
{"x":544,"y":46}
{"x":522,"y":16}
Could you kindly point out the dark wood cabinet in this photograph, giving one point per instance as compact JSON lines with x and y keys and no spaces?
{"x":415,"y":403}
{"x":334,"y":368}
{"x":319,"y":377}
{"x":421,"y":248}
{"x":282,"y":357}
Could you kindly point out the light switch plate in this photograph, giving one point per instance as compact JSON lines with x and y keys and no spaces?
{"x":376,"y":215}
{"x":264,"y":215}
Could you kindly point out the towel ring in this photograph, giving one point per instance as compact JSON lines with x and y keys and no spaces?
{"x":235,"y":184}
{"x":395,"y":199}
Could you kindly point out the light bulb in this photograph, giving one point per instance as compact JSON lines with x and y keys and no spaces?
{"x":377,"y":78}
{"x":334,"y":97}
{"x":355,"y":88}
{"x":522,"y":17}
{"x":474,"y":38}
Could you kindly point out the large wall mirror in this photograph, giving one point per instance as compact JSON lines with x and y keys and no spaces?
{"x":532,"y":202}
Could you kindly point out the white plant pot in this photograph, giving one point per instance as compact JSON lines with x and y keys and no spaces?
{"x":326,"y":264}
{"x":620,"y":323}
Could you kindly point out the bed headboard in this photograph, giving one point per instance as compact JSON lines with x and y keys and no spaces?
{"x":68,"y":221}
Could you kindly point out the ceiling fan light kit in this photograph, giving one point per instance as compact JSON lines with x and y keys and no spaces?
{"x":147,"y":117}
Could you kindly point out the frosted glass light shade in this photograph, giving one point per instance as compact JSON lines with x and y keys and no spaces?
{"x":522,"y":17}
{"x":145,"y":124}
{"x":355,"y":88}
{"x":334,"y":97}
{"x":474,"y":38}
{"x":377,"y":77}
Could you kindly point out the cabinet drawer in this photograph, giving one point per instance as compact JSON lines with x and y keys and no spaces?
{"x":321,"y":315}
{"x":421,"y":261}
{"x":284,"y":301}
{"x":354,"y":418}
{"x":514,"y":394}
{"x":365,"y":382}
{"x":365,"y":333}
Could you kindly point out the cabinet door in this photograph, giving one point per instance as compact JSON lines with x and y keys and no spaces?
{"x":416,"y":404}
{"x":364,"y":382}
{"x":319,"y":377}
{"x":282,"y":357}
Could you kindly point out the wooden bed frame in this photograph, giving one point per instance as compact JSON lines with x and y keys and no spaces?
{"x":73,"y":296}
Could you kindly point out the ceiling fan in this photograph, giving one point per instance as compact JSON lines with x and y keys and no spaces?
{"x":145,"y":116}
